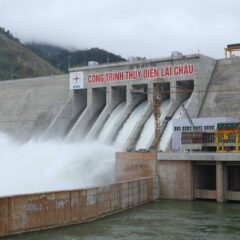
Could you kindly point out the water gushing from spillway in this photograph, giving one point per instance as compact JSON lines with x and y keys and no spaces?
{"x":50,"y":166}
{"x":105,"y":134}
{"x":47,"y":166}
{"x":130,"y":125}
{"x":168,"y":131}
{"x":148,"y":132}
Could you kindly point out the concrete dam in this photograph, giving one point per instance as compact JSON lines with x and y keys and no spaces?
{"x":112,"y":105}
{"x":132,"y":85}
{"x":44,"y":107}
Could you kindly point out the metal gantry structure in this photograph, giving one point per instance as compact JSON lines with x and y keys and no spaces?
{"x":231,"y":48}
{"x":227,"y":137}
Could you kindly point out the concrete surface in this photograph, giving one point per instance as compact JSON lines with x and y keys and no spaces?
{"x":223,"y":98}
{"x":201,"y":156}
{"x":33,"y":107}
{"x":132,"y":139}
{"x":186,"y":178}
{"x":96,"y":102}
{"x":42,"y":107}
{"x":135,"y":165}
{"x":20,"y":214}
{"x":67,"y":116}
{"x":28,"y":106}
{"x":176,"y":179}
{"x":175,"y":87}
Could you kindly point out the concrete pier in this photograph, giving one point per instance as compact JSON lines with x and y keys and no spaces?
{"x":186,"y":176}
{"x":220,"y":182}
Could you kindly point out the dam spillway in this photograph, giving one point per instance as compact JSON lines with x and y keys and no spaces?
{"x":111,"y":103}
{"x":97,"y":90}
{"x":95,"y":103}
{"x":46,"y":108}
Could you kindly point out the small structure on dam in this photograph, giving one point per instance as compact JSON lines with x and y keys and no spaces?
{"x":205,"y":128}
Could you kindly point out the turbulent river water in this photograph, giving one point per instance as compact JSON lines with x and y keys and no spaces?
{"x":163,"y":220}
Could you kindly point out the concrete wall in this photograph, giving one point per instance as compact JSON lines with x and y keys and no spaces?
{"x":134,"y":165}
{"x":96,"y":101}
{"x":223,"y":94}
{"x":173,"y":87}
{"x":28,"y":106}
{"x":185,"y":176}
{"x":145,"y":114}
{"x":138,"y":65}
{"x":176,"y":179}
{"x":26,"y":213}
{"x":68,"y":116}
{"x":203,"y":73}
{"x":217,"y":189}
{"x":116,"y":95}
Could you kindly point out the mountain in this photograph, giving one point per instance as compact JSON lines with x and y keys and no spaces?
{"x":33,"y":60}
{"x":62,"y":58}
{"x":16,"y":61}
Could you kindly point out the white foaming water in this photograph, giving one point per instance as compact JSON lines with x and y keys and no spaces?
{"x":168,"y":131}
{"x":38,"y":167}
{"x":148,"y":132}
{"x":104,"y":135}
{"x":129,"y":125}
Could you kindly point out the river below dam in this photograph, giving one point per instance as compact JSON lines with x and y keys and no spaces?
{"x":158,"y":220}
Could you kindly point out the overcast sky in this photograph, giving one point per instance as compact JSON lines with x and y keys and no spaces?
{"x":150,"y":28}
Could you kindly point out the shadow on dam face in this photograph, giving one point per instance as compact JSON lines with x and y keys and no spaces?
{"x":233,"y":178}
{"x":205,"y":177}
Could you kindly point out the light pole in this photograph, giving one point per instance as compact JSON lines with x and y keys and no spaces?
{"x":58,"y":68}
{"x":69,"y":57}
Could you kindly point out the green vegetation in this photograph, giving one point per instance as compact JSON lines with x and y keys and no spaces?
{"x":34,"y":60}
{"x":16,"y":61}
{"x":62,"y":58}
{"x":8,"y":34}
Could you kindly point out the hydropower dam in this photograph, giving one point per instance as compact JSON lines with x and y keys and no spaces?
{"x":46,"y":108}
{"x":98,"y":110}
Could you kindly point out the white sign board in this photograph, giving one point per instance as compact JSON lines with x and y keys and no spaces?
{"x":76,"y":80}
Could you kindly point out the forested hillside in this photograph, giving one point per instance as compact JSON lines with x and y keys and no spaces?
{"x":62,"y":58}
{"x":33,"y":60}
{"x":16,"y":61}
